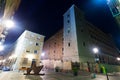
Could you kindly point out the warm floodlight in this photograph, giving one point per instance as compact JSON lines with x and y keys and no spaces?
{"x":43,"y":54}
{"x":95,"y":50}
{"x":118,"y":58}
{"x":8,"y":23}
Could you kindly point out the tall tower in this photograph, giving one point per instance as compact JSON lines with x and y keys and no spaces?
{"x":114,"y":6}
{"x":74,"y":38}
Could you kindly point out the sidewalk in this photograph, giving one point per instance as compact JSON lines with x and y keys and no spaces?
{"x":52,"y":75}
{"x":81,"y":76}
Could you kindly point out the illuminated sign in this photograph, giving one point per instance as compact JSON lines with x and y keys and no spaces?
{"x":114,"y":6}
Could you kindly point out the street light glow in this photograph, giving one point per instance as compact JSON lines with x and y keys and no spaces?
{"x":118,"y":58}
{"x":95,"y":50}
{"x":119,"y":0}
{"x":8,"y":23}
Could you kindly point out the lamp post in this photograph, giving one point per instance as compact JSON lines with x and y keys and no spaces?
{"x":96,"y":51}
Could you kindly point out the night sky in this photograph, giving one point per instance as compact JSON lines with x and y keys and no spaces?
{"x":46,"y":17}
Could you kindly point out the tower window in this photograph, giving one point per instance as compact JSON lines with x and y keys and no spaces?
{"x":37,"y":44}
{"x":81,"y":30}
{"x":68,"y":15}
{"x":25,"y":61}
{"x":62,"y":49}
{"x":69,"y":44}
{"x":27,"y":51}
{"x":83,"y":43}
{"x":68,"y":31}
{"x":68,"y":21}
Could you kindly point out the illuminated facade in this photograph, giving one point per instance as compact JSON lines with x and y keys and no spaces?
{"x":78,"y":39}
{"x":53,"y":50}
{"x":26,"y":49}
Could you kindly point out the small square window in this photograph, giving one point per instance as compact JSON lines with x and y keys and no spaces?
{"x":25,"y":61}
{"x":35,"y":51}
{"x":81,"y":30}
{"x":27,"y":51}
{"x":83,"y":43}
{"x":68,"y":21}
{"x":68,"y":31}
{"x":62,"y":49}
{"x":68,"y":15}
{"x":37,"y":44}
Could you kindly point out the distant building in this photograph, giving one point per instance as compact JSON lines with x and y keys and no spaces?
{"x":26,"y":49}
{"x":114,"y":6}
{"x":77,"y":41}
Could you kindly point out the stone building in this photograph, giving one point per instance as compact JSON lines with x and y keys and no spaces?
{"x":53,"y":50}
{"x":78,"y":39}
{"x":25,"y":50}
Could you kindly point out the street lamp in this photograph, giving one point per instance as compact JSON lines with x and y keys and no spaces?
{"x":95,"y":50}
{"x":43,"y":54}
{"x":118,"y":58}
{"x":8,"y":23}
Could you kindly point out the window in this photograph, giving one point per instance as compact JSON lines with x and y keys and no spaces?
{"x":68,"y":21}
{"x":25,"y":61}
{"x":83,"y":43}
{"x":62,"y":39}
{"x":81,"y":30}
{"x":37,"y":44}
{"x":62,"y":49}
{"x":27,"y":51}
{"x":35,"y":51}
{"x":69,"y":44}
{"x":68,"y":31}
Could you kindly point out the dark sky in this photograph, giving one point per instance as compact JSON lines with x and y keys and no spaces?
{"x":46,"y":17}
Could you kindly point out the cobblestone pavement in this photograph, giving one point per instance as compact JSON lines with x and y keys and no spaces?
{"x":51,"y":75}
